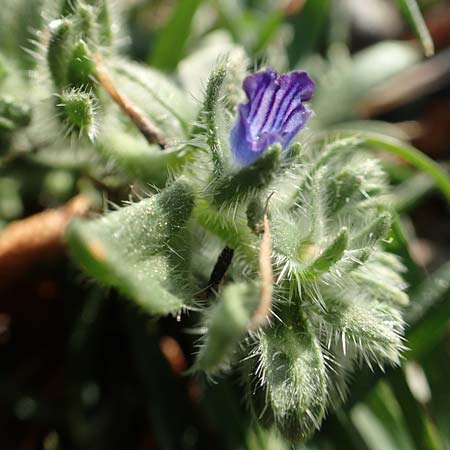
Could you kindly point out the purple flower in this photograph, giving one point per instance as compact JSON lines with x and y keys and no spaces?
{"x":274,"y":113}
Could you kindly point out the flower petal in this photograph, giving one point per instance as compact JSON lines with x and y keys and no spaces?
{"x":274,"y":112}
{"x":294,"y":123}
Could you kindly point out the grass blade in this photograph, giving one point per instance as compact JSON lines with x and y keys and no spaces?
{"x":398,"y":244}
{"x":172,"y":40}
{"x":268,"y":29}
{"x":420,"y":427}
{"x":308,"y":26}
{"x":412,"y":192}
{"x":412,"y":14}
{"x":429,"y":315}
{"x":414,"y":157}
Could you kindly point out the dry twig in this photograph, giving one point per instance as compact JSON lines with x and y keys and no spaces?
{"x":149,"y":130}
{"x":31,"y":239}
{"x":265,"y":273}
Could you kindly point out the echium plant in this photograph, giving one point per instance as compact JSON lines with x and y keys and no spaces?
{"x":271,"y":234}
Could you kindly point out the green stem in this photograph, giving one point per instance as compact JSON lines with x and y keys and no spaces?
{"x":207,"y":117}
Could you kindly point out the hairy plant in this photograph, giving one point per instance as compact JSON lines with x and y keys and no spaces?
{"x":309,"y":293}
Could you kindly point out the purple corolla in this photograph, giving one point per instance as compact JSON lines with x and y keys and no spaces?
{"x":275,"y":112}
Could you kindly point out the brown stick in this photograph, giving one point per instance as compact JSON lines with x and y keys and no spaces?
{"x":150,"y":131}
{"x":29,"y":240}
{"x":265,"y":273}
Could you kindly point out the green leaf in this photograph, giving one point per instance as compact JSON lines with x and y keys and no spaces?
{"x":84,"y":17}
{"x":332,"y":254}
{"x":141,"y":249}
{"x":105,"y":19}
{"x":59,"y":50}
{"x":171,"y":42}
{"x":342,"y":188}
{"x":157,"y":95}
{"x":232,"y":229}
{"x":81,"y":67}
{"x":411,"y":11}
{"x":370,"y":329}
{"x":374,"y":231}
{"x":227,"y":323}
{"x":428,"y":317}
{"x":137,"y":159}
{"x":385,"y":283}
{"x":93,"y":18}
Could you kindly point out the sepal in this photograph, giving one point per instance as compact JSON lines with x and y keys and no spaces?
{"x":249,"y":180}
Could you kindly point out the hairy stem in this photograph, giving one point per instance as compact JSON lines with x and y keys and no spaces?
{"x":219,"y":270}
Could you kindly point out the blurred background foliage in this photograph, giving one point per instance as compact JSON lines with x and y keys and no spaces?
{"x":79,"y":368}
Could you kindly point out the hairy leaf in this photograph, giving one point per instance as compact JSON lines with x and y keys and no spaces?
{"x":141,"y":249}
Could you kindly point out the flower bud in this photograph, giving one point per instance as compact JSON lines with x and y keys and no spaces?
{"x":78,"y":111}
{"x":290,"y":376}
